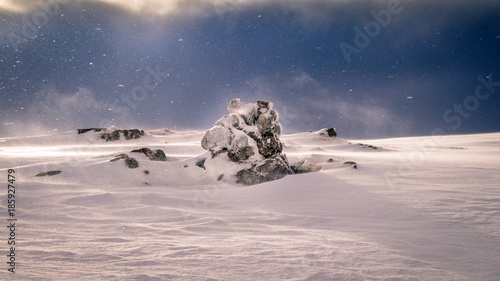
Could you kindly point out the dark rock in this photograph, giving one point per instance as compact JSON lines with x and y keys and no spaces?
{"x":146,"y":172}
{"x":331,"y":132}
{"x":271,"y":169}
{"x":113,"y":136}
{"x":262,"y":104}
{"x":49,"y":173}
{"x":132,"y":134}
{"x":119,"y":156}
{"x":328,"y":132}
{"x":201,"y":163}
{"x":329,"y":160}
{"x":219,"y":178}
{"x":159,"y":155}
{"x":131,"y":163}
{"x":128,"y":134}
{"x":368,"y":146}
{"x":240,"y":154}
{"x":269,"y":144}
{"x":81,"y":131}
{"x":351,"y":163}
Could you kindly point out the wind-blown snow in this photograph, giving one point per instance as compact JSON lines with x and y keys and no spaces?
{"x":414,"y":209}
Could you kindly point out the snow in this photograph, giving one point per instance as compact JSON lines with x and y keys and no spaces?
{"x":417,"y":208}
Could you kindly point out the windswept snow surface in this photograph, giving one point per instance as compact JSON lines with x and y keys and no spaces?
{"x":419,"y":208}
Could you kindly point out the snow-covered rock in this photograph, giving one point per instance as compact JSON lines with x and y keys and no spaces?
{"x":248,"y":138}
{"x":112,"y":133}
{"x":159,"y":155}
{"x":330,"y":132}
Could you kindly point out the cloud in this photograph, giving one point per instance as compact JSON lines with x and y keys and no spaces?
{"x":51,"y":110}
{"x":158,"y":7}
{"x":322,"y":105}
{"x":308,"y":10}
{"x":191,"y":7}
{"x":15,"y":5}
{"x":305,"y":103}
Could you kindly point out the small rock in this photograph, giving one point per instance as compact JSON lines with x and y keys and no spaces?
{"x":328,"y":132}
{"x":119,"y":156}
{"x":49,"y":173}
{"x":81,"y":131}
{"x":331,"y":132}
{"x":201,"y":163}
{"x":146,"y":172}
{"x":131,"y":163}
{"x":351,"y":163}
{"x":368,"y":146}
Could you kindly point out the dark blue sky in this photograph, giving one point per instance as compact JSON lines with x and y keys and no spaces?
{"x":87,"y":64}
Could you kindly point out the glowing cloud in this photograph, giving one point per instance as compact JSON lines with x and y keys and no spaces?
{"x":176,"y":7}
{"x":151,"y":7}
{"x":15,"y":6}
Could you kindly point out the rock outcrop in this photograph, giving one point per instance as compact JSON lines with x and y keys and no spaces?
{"x":128,"y":134}
{"x":248,"y":137}
{"x":113,"y":134}
{"x":159,"y":155}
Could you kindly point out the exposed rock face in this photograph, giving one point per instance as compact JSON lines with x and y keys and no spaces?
{"x":159,"y":155}
{"x":249,"y":137}
{"x":270,"y":169}
{"x":114,"y":134}
{"x":128,"y":134}
{"x":240,"y":154}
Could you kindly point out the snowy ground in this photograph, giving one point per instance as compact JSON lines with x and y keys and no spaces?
{"x":414,"y":209}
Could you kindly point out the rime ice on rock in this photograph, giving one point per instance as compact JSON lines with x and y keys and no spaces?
{"x":249,"y":137}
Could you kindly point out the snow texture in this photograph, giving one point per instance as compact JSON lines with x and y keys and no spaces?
{"x":420,"y":208}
